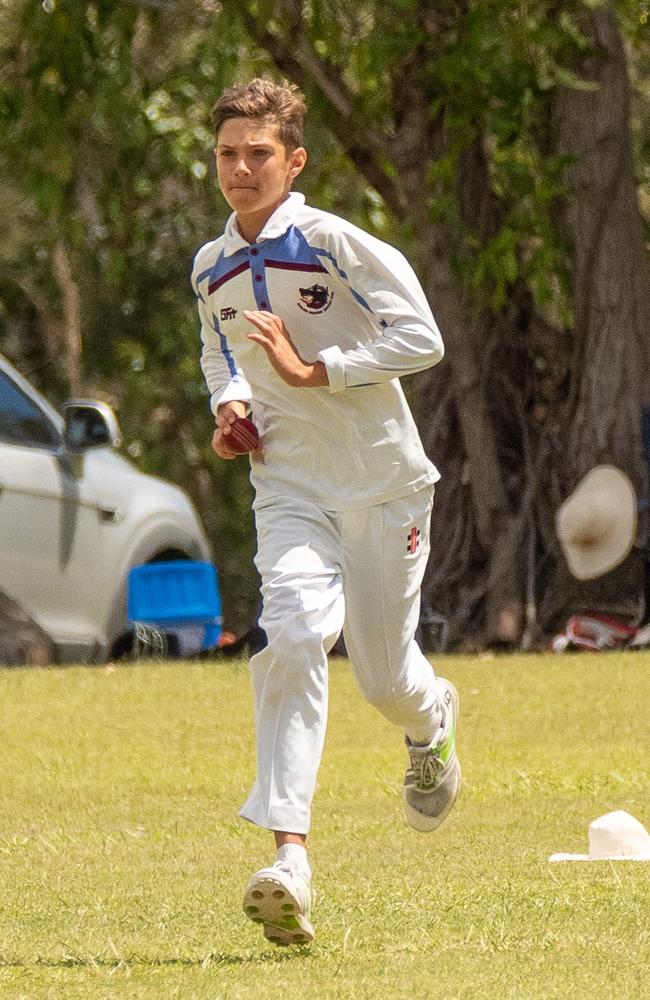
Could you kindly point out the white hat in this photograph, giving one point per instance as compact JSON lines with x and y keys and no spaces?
{"x":617,"y":836}
{"x":596,"y":524}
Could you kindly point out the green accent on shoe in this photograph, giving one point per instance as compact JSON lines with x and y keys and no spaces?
{"x":432,"y":780}
{"x":445,"y":750}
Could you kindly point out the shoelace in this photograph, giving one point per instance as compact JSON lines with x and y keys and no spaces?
{"x":284,"y":868}
{"x":427,"y":767}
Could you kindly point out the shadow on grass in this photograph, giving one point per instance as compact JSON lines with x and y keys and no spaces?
{"x":213,"y":960}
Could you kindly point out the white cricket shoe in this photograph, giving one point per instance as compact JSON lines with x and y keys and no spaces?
{"x":432,"y":780}
{"x":279,"y":898}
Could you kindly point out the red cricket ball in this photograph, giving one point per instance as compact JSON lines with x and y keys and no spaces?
{"x":243,"y":436}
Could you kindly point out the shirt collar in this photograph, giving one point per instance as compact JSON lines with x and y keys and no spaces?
{"x":275,"y":226}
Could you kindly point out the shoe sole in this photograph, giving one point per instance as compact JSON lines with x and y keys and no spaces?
{"x":269,"y":902}
{"x":418,"y":820}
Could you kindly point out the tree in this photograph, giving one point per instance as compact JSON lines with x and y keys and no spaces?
{"x":451,"y":112}
{"x":607,"y":383}
{"x":105,"y":152}
{"x":478,"y":135}
{"x":108,"y":191}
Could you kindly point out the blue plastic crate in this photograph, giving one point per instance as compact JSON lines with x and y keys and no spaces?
{"x":167,"y":594}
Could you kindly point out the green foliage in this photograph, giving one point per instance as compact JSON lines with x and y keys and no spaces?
{"x":492,"y":79}
{"x":108,"y":150}
{"x":635,"y":19}
{"x":489,"y":71}
{"x":106,"y":153}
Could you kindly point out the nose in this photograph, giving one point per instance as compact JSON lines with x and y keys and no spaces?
{"x":241,"y":167}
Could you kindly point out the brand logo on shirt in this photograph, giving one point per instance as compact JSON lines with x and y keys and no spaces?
{"x":228,"y":313}
{"x":315,"y":299}
{"x":413,"y":541}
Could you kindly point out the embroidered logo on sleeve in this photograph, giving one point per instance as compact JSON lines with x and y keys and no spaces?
{"x":315,"y":299}
{"x":228,"y":313}
{"x":413,"y":541}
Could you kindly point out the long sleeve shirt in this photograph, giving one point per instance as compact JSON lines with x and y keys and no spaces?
{"x":348,"y":300}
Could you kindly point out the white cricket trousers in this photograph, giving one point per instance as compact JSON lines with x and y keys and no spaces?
{"x":320,"y":568}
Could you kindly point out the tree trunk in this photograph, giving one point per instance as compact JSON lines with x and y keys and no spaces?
{"x":611,"y":285}
{"x":475,"y":466}
{"x":609,"y":380}
{"x":71,"y":325}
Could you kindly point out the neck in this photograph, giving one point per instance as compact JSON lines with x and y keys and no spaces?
{"x":250,"y":226}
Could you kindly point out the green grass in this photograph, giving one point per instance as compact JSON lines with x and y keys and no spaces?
{"x":122,"y":861}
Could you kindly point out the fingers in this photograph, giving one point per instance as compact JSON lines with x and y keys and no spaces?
{"x":220,"y":445}
{"x":274,"y":338}
{"x":225,"y":417}
{"x":268,"y":324}
{"x":225,"y":420}
{"x":228,"y":413}
{"x":270,"y":332}
{"x":260,"y":316}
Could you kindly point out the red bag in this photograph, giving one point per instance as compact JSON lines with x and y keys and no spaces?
{"x":594,"y":632}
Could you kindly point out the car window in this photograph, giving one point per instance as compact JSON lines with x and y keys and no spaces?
{"x":21,"y":421}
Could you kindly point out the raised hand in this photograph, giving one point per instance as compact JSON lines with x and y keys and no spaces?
{"x":272,"y":335}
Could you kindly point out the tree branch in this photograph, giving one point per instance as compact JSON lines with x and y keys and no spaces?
{"x":294,"y":54}
{"x":71,"y":327}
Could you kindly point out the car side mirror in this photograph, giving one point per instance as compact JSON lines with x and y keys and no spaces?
{"x":89,"y":424}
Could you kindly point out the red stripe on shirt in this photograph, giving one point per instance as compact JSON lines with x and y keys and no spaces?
{"x":290,"y":265}
{"x":212,"y":287}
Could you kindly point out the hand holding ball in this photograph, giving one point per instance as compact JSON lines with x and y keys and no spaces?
{"x":243,"y":436}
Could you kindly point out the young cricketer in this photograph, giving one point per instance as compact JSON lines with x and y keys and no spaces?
{"x":307,"y":324}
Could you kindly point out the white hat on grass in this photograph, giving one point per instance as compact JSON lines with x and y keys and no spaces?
{"x":596,"y":524}
{"x":617,"y":836}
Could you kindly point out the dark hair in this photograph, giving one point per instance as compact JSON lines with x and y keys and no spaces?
{"x":264,"y":100}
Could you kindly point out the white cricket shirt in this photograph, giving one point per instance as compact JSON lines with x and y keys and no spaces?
{"x":347,"y":299}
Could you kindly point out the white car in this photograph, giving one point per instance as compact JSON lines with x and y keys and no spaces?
{"x":75,"y":516}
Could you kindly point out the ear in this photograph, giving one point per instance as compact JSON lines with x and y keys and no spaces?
{"x":297,"y":161}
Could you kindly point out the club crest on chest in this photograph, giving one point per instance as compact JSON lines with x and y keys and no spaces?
{"x":315,"y":299}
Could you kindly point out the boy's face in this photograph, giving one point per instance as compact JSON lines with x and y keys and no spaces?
{"x":254,"y":167}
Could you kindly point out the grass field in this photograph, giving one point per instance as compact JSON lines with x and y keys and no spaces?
{"x":123,"y":863}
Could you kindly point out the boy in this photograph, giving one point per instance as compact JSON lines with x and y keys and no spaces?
{"x":307,"y":323}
